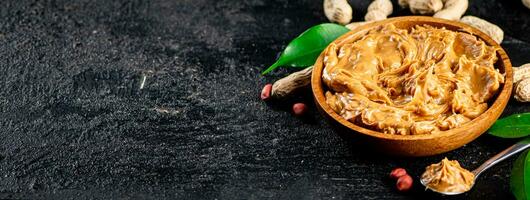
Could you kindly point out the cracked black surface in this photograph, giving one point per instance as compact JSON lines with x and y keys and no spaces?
{"x":77,"y":122}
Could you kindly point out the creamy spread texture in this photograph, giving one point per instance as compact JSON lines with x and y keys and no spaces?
{"x":448,"y":176}
{"x":416,"y":81}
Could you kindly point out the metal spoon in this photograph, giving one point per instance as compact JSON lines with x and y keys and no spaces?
{"x":510,"y":151}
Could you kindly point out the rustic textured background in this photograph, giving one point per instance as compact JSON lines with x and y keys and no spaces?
{"x":76,"y":123}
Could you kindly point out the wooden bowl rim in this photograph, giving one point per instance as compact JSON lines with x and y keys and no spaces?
{"x":498,"y":105}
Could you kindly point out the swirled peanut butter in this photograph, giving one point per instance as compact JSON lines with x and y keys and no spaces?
{"x":448,"y":176}
{"x":416,"y":81}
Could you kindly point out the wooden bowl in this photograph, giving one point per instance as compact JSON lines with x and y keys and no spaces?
{"x":418,"y":145}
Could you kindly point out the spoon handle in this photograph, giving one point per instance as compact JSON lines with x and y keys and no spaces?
{"x":510,"y":151}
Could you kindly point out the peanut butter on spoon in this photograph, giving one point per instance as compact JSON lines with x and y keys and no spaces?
{"x":448,"y":177}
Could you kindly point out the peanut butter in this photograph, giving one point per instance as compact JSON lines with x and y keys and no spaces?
{"x":448,"y":176}
{"x":418,"y":81}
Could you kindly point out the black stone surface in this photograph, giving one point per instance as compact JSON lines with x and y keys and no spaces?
{"x":76,"y":123}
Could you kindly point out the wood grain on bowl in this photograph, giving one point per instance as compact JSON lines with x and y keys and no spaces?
{"x":426,"y":144}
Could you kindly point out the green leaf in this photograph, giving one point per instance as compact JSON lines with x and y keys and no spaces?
{"x":304,"y":50}
{"x":520,"y":177}
{"x":514,"y":126}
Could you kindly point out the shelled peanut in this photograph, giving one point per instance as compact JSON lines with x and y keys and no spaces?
{"x":494,"y":31}
{"x":378,"y":10}
{"x":338,"y":11}
{"x":422,"y":7}
{"x":452,"y":9}
{"x":286,"y":86}
{"x":521,"y":80}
